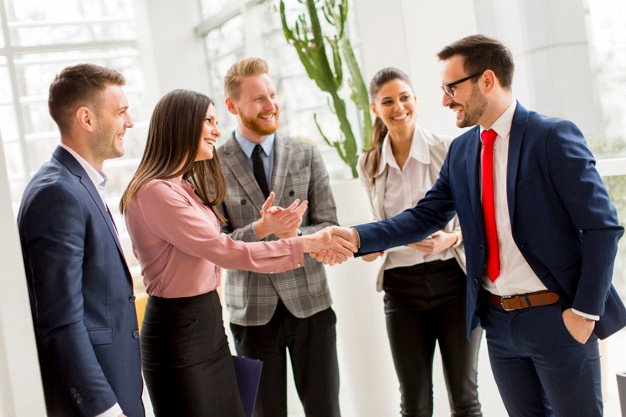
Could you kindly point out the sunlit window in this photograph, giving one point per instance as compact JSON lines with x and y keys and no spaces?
{"x":42,"y":38}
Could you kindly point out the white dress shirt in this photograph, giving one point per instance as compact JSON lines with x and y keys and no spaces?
{"x":516,"y":276}
{"x":403,"y":189}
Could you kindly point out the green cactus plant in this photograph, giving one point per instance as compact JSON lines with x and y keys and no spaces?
{"x":323,"y":56}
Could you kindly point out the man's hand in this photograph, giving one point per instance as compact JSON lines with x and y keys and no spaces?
{"x":437,"y":242}
{"x":330,"y":245}
{"x":282,"y":222}
{"x":577,"y":326}
{"x":343,"y":235}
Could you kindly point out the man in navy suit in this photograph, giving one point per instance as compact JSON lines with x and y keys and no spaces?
{"x":547,"y":295}
{"x":80,"y":288}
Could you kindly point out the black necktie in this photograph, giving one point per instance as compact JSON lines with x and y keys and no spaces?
{"x":259,"y":171}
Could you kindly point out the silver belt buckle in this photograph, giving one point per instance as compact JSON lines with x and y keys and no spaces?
{"x":506,"y":297}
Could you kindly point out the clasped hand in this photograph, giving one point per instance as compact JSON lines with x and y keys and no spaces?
{"x":337,"y":245}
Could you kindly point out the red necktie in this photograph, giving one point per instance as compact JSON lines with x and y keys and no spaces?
{"x":489,"y":212}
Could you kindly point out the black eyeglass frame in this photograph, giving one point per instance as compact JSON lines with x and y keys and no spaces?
{"x":447,"y":88}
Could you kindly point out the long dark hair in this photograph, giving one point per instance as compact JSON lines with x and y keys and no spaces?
{"x":379,"y":130}
{"x":171,"y":148}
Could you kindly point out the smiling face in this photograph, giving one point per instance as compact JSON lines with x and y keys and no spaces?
{"x":111,"y":121}
{"x":256,"y":108}
{"x":210,"y":133}
{"x":469,"y":103}
{"x":395,"y":104}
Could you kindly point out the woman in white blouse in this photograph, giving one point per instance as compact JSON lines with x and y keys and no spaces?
{"x":424,"y":282}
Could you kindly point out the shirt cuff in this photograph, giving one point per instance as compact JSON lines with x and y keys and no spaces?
{"x":586,"y":316}
{"x":254,"y":233}
{"x":114,"y":411}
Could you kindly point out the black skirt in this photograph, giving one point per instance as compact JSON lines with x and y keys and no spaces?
{"x":186,"y":360}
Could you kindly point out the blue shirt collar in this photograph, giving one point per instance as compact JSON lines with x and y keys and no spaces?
{"x":247,"y":146}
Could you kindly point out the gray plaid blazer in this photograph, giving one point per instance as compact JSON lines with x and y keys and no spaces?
{"x":298,"y":172}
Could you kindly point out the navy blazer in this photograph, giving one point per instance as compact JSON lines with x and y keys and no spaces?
{"x":562,"y":220}
{"x":81,"y":294}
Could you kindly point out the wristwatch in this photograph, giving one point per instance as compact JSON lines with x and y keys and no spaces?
{"x":458,"y":240}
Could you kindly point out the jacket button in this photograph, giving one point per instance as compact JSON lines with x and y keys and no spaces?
{"x":243,"y":201}
{"x":476,"y":281}
{"x":291,"y":193}
{"x":482,"y":246}
{"x":132,"y":298}
{"x":136,"y":334}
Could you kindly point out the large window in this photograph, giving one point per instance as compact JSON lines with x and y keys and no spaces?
{"x":39,"y":38}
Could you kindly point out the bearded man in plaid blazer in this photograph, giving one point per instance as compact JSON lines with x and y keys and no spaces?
{"x":270,"y":313}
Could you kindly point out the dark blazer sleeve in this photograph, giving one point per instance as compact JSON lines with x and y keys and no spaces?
{"x":584,"y":196}
{"x":53,"y":232}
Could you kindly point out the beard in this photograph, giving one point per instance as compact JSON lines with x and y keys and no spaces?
{"x":258,"y":127}
{"x":105,"y":146}
{"x":474,"y":108}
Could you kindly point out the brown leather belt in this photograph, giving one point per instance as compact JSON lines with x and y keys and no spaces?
{"x":522,"y":301}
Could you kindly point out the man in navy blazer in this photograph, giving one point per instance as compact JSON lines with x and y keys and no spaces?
{"x":80,"y":288}
{"x":557,"y":235}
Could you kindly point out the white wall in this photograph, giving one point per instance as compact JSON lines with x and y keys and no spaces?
{"x":21,"y":394}
{"x":408,"y":34}
{"x":172,"y":56}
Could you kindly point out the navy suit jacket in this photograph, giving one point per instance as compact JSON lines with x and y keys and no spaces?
{"x":81,"y":294}
{"x":561,"y":217}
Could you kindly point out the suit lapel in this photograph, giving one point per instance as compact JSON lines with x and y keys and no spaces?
{"x":282,"y":152}
{"x":473,"y":175}
{"x":76,"y":169}
{"x":237,"y":161}
{"x":516,"y":138}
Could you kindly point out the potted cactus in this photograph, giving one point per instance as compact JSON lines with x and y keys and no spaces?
{"x":325,"y":55}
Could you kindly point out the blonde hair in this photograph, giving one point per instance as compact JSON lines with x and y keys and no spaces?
{"x":246,"y":67}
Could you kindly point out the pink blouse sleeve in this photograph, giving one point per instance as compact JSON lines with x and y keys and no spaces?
{"x":172,"y":215}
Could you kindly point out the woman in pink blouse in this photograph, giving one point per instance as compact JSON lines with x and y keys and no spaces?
{"x":169,"y":207}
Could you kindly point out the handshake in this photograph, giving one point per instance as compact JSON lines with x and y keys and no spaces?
{"x":332,"y":245}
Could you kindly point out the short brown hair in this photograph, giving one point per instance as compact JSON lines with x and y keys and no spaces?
{"x":481,"y":53}
{"x":78,"y":86}
{"x":246,"y":67}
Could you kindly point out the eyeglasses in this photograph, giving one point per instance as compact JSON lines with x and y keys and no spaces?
{"x":448,"y":88}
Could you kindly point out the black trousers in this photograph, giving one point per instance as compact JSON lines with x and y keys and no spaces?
{"x":186,"y":361}
{"x":425,"y":305}
{"x":312,"y":345}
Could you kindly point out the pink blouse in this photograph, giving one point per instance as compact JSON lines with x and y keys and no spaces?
{"x":178,"y":243}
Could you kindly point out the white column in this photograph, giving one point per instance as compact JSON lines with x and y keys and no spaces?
{"x":408,"y":34}
{"x":172,"y":55}
{"x":550,"y":45}
{"x":21,"y":394}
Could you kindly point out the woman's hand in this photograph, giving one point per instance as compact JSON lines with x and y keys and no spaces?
{"x":437,"y":242}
